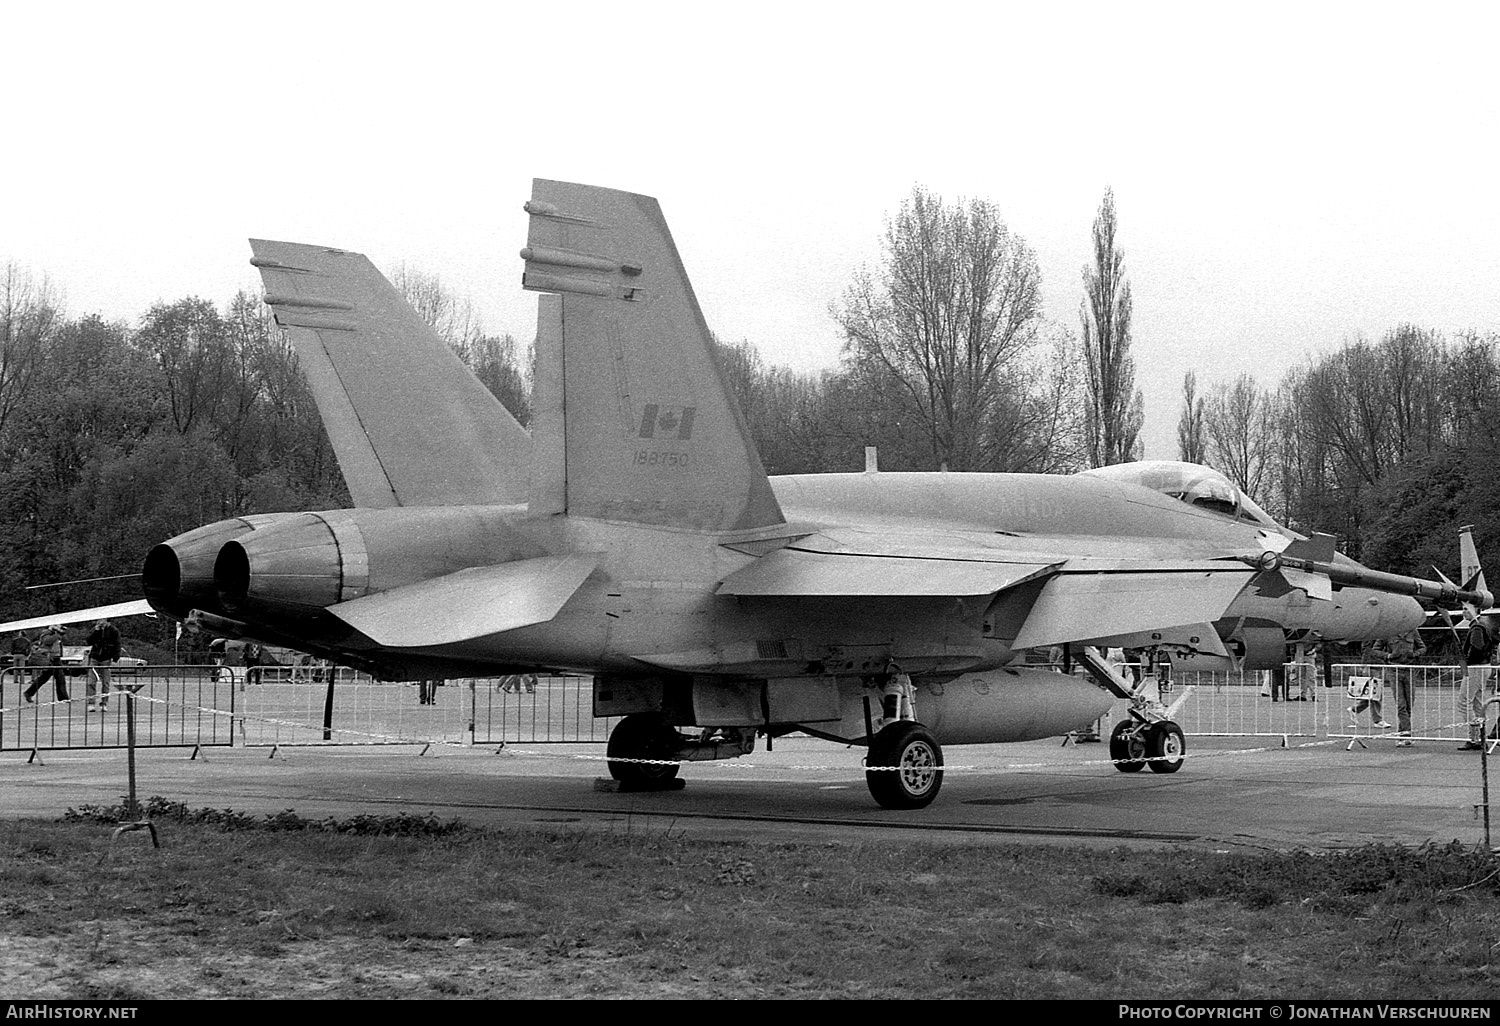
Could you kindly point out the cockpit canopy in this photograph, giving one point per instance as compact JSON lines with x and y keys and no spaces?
{"x":1198,"y":486}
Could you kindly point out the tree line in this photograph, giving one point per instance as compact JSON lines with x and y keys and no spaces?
{"x":1385,"y":443}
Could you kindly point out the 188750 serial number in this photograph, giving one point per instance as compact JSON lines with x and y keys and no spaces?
{"x":659,"y":458}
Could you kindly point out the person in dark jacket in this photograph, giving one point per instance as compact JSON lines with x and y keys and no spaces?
{"x":104,"y":650}
{"x":48,"y":654}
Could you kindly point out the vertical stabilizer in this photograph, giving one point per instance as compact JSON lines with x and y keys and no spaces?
{"x":1471,"y":573}
{"x":410,"y":424}
{"x":549,"y":457}
{"x":650,"y":432}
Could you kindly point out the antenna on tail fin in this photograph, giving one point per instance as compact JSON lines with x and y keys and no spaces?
{"x":628,"y":393}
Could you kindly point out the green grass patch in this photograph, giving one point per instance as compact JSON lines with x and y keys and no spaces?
{"x":234,"y":905}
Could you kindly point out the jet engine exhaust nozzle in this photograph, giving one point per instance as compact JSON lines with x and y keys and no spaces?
{"x":293,"y":569}
{"x":178,"y":574}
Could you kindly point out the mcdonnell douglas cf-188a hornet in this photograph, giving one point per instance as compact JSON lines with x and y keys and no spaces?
{"x":633,"y":536}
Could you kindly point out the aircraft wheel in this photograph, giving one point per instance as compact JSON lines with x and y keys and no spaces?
{"x":1166,"y":746}
{"x":643,"y":736}
{"x":1127,"y":747}
{"x":916,"y":758}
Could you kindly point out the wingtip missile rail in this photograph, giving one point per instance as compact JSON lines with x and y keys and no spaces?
{"x":1444,"y":593}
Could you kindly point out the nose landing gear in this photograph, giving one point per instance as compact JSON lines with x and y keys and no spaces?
{"x":1136,"y":744}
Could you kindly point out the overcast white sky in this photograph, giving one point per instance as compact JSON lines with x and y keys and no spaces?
{"x":1286,"y":176}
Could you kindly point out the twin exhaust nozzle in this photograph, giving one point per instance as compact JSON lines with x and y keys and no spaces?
{"x":285,"y":564}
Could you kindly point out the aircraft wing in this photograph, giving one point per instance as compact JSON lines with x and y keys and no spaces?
{"x":1079,"y":599}
{"x":137,"y":607}
{"x":1086,"y":602}
{"x":472,"y":603}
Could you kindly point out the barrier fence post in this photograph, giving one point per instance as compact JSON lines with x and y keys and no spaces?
{"x":132,"y":807}
{"x":328,"y":705}
{"x":1484,"y":771}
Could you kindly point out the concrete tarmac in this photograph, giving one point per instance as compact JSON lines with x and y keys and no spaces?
{"x":1232,"y":793}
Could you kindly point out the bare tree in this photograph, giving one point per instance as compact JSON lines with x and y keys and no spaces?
{"x":1192,"y":443}
{"x":955,"y":305}
{"x":1116,"y":407}
{"x":451,"y":316}
{"x":1471,"y":383}
{"x":493,"y":359}
{"x":28,"y":319}
{"x":1239,"y":421}
{"x":496,"y":363}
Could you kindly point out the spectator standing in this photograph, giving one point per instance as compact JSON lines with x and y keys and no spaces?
{"x":1479,"y":674}
{"x":254,"y":660}
{"x":104,"y":650}
{"x":1404,"y":651}
{"x":20,"y":649}
{"x":1375,"y":657}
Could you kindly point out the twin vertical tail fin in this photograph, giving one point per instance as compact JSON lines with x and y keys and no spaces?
{"x":410,"y":424}
{"x":1478,"y":643}
{"x":632,"y":420}
{"x":1470,"y":570}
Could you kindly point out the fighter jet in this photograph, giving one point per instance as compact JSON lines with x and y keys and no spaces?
{"x":633,"y":536}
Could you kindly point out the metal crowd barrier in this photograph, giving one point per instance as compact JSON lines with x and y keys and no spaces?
{"x":1243,"y":704}
{"x":471,"y":710}
{"x":178,"y":706}
{"x":186,"y":706}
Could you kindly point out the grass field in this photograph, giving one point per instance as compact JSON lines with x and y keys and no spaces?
{"x":238,"y":906}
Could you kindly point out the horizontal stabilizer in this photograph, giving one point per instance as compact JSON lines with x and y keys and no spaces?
{"x":472,"y":603}
{"x":791,"y":572}
{"x":137,"y":607}
{"x":1079,"y":607}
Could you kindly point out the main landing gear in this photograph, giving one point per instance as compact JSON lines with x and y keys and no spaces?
{"x":1135,"y":744}
{"x":647,"y":737}
{"x":645,"y":751}
{"x":904,"y":766}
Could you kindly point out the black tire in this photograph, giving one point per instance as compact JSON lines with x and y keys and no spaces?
{"x":1127,"y":747}
{"x":1165,"y":746}
{"x":643,"y":736}
{"x":916,"y":758}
